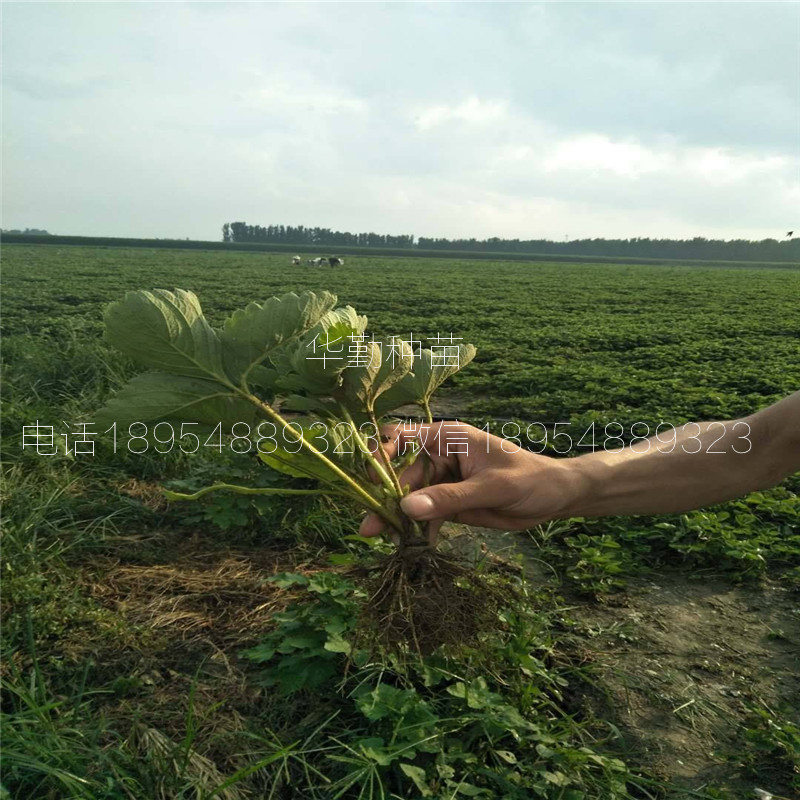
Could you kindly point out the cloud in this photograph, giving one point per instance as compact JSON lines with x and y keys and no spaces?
{"x":287,"y":93}
{"x":472,"y":110}
{"x":595,"y":152}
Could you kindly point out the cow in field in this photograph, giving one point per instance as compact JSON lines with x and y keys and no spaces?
{"x":296,"y":260}
{"x":334,"y":261}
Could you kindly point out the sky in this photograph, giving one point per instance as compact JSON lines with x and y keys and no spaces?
{"x":518,"y":120}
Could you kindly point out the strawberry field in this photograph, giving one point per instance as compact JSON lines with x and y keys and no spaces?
{"x":214,"y":648}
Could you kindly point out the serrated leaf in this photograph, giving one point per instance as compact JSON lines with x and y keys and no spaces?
{"x":251,"y":334}
{"x":314,"y":363}
{"x":167,"y":332}
{"x":158,"y":396}
{"x":428,"y":373}
{"x":382,"y":364}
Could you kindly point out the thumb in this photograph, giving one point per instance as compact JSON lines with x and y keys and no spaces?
{"x":443,"y":500}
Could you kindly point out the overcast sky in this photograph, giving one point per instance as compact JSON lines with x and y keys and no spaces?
{"x":450,"y":119}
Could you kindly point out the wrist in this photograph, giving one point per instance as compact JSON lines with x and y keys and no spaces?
{"x":574,"y":486}
{"x":587,"y":480}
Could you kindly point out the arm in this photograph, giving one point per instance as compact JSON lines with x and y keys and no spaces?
{"x":706,"y":463}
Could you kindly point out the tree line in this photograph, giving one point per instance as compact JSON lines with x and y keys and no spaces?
{"x":698,"y":248}
{"x":27,"y":231}
{"x":289,"y":234}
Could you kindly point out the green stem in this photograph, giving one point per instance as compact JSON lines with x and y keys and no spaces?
{"x":382,"y":474}
{"x":364,"y":497}
{"x":426,"y":464}
{"x":386,"y":460}
{"x":231,"y":487}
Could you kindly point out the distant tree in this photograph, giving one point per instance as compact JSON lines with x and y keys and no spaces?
{"x":697,"y":248}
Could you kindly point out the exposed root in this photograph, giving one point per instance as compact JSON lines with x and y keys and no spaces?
{"x":422,"y":598}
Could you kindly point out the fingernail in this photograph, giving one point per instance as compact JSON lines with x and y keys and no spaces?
{"x":417,"y":505}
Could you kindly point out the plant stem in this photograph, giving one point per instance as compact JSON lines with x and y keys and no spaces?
{"x":361,"y":493}
{"x":231,"y":487}
{"x":382,"y":474}
{"x":426,"y":464}
{"x":384,"y":455}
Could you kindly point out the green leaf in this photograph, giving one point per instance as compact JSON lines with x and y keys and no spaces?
{"x":305,"y":640}
{"x":263,"y":379}
{"x":322,"y":408}
{"x":557,"y":778}
{"x":158,"y":396}
{"x":373,"y":749}
{"x":167,"y":332}
{"x":343,"y":559}
{"x":467,"y":789}
{"x":313,"y":364}
{"x":335,"y":442}
{"x":382,"y":363}
{"x":283,"y":580}
{"x":293,"y":675}
{"x":259,"y":653}
{"x":429,"y":371}
{"x":252,"y":333}
{"x":336,"y":644}
{"x":417,"y":775}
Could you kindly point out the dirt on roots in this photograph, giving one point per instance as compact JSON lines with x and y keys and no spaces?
{"x":424,"y":598}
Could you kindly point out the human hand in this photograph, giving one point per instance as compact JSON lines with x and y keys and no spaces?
{"x":475,"y":478}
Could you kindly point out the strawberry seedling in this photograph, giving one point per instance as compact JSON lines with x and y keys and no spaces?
{"x":298,"y":376}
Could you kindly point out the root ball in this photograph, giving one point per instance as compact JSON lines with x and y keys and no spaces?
{"x":422,"y":598}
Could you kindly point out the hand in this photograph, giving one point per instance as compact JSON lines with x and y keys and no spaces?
{"x":486,"y":481}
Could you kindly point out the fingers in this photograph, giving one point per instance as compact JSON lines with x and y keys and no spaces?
{"x":429,"y":466}
{"x":371,"y":525}
{"x":434,"y":527}
{"x":435,"y":465}
{"x":445,"y":500}
{"x":436,"y":438}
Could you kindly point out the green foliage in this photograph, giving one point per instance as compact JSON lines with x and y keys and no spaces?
{"x":744,"y":538}
{"x":479,"y":725}
{"x":601,"y":561}
{"x":310,"y":637}
{"x":772,"y":750}
{"x":606,"y":251}
{"x":229,"y":510}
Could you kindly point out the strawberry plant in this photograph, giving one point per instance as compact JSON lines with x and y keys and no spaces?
{"x":299,"y":378}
